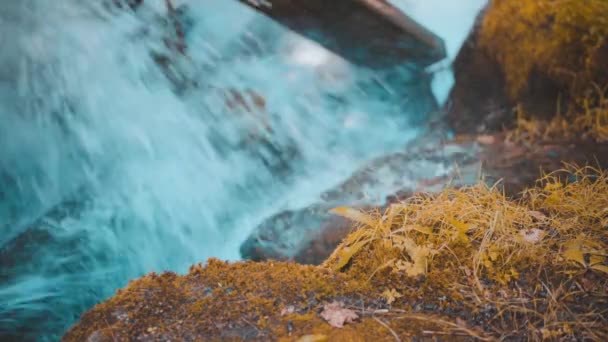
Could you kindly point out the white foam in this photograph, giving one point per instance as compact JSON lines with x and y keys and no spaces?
{"x":166,"y":184}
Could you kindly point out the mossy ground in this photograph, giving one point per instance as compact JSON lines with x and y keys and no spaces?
{"x":459,"y":264}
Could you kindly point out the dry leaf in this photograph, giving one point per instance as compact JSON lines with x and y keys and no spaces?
{"x":391,"y":296}
{"x":537,"y":215}
{"x":493,"y":253}
{"x":596,"y":262}
{"x":403,"y":243}
{"x":312,"y":338}
{"x":575,"y":255}
{"x":462,"y":229}
{"x":574,"y":252}
{"x":418,"y":254}
{"x":531,"y":235}
{"x":411,"y":269}
{"x":354,"y":215}
{"x":601,"y":268}
{"x":347,"y":253}
{"x":337,"y":316}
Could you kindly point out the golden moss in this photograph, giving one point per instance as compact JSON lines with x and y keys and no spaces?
{"x":560,"y":38}
{"x":476,"y":249}
{"x":218,"y":300}
{"x":590,"y":121}
{"x":459,"y":264}
{"x":553,"y":54}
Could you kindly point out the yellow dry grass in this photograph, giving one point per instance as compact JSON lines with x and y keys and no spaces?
{"x":540,"y":262}
{"x":588,"y":122}
{"x":561,"y":44}
{"x":464,"y":264}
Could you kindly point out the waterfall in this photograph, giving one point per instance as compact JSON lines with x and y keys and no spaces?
{"x":130,"y":145}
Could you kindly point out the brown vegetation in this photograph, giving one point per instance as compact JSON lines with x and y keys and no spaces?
{"x":540,"y":60}
{"x":463,"y":263}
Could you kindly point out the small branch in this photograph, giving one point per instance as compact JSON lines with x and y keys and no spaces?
{"x":364,"y":312}
{"x":389,"y":329}
{"x":252,"y":325}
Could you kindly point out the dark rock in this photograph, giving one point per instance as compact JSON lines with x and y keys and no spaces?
{"x":367,"y":32}
{"x":544,"y":66}
{"x":517,"y":167}
{"x":478,"y":102}
{"x":290,"y":235}
{"x":309,"y":235}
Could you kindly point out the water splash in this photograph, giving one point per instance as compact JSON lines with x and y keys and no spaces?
{"x":120,"y":155}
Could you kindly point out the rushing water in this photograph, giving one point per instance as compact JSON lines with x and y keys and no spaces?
{"x":119,"y":155}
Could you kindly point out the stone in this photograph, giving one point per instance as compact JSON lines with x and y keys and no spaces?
{"x":309,"y":235}
{"x":372,"y":33}
{"x":535,"y":67}
{"x":478,"y":102}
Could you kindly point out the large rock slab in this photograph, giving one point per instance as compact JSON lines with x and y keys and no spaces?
{"x":367,"y":32}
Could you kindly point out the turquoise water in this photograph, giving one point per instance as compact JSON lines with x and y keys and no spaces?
{"x":121,"y":156}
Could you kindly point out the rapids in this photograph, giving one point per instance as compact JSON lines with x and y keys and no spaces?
{"x":120,"y":156}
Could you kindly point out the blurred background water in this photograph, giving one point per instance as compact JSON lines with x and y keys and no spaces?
{"x":120,"y":156}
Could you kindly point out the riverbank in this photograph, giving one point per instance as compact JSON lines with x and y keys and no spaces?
{"x":486,"y":259}
{"x":462,"y":263}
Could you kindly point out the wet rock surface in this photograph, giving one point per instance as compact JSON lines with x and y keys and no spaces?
{"x":310,"y":234}
{"x":478,"y":102}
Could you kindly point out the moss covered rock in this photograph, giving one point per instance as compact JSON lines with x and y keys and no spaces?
{"x":467,"y":263}
{"x":544,"y":57}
